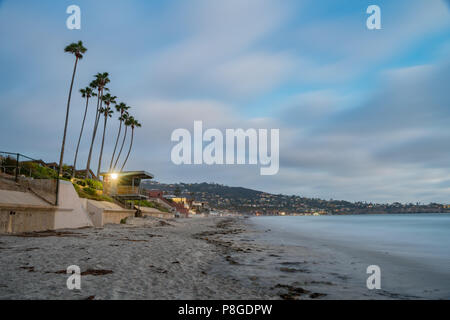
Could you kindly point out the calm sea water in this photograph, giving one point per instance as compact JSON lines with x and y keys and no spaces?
{"x":412,"y":248}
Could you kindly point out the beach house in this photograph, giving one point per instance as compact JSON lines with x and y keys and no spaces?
{"x":126,"y":185}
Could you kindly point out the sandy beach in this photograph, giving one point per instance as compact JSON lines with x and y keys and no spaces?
{"x":150,"y":258}
{"x":145,"y":259}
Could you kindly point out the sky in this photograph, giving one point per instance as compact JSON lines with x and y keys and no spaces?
{"x":364,"y":115}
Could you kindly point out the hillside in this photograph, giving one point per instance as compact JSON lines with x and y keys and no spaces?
{"x":250,"y":201}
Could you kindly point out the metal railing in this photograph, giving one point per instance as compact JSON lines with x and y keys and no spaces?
{"x":30,"y":174}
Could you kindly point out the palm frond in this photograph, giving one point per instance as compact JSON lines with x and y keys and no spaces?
{"x":76,"y":48}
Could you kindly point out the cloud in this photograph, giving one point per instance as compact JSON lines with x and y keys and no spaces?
{"x":252,"y":73}
{"x":341,"y":48}
{"x":395,"y":109}
{"x":217,"y":53}
{"x":363,"y":115}
{"x":305,"y":109}
{"x":397,"y":141}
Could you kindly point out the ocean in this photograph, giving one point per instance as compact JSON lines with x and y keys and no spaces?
{"x":412,"y":250}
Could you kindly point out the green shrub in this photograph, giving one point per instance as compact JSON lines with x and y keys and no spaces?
{"x":89,"y":195}
{"x":81,"y":183}
{"x":123,"y":221}
{"x":9,"y":163}
{"x":90,"y":191}
{"x":37,"y":171}
{"x":103,"y":197}
{"x":94,"y":184}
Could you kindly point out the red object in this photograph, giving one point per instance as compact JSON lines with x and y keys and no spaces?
{"x":178,"y":206}
{"x":155,"y":193}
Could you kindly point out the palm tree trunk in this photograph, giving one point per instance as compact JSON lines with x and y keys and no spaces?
{"x":129,"y":150}
{"x":94,"y":133}
{"x":79,"y":139}
{"x":120,"y":151}
{"x":101,"y":149}
{"x":115,"y":147}
{"x":67,"y":119}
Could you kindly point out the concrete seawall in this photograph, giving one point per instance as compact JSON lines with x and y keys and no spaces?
{"x":151,"y":212}
{"x":25,"y":212}
{"x":26,"y":219}
{"x":70,"y":212}
{"x":102,"y":212}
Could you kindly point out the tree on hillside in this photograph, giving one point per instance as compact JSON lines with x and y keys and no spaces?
{"x":177,"y":191}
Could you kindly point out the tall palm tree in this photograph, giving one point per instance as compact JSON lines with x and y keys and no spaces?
{"x":133,"y":124}
{"x":125,"y":118}
{"x":77,"y":50}
{"x":85,"y":93}
{"x":101,"y":79}
{"x":107,"y":112}
{"x":122,"y":108}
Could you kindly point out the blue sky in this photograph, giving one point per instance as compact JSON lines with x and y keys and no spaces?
{"x":363,"y":114}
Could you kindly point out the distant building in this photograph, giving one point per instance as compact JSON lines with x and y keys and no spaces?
{"x":167,"y":201}
{"x":52,"y":165}
{"x":82,"y":174}
{"x":200,"y":207}
{"x":155,"y":193}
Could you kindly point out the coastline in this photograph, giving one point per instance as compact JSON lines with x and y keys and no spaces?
{"x":197,"y":258}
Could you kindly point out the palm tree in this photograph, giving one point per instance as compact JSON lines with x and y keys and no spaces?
{"x":78,"y":50}
{"x":133,"y":124}
{"x":101,"y":79}
{"x":107,"y":112}
{"x":107,"y":99}
{"x":85,"y":93}
{"x":122,"y":108}
{"x":94,"y":85}
{"x":125,"y":118}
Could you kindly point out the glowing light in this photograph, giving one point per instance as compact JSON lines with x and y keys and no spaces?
{"x":114,"y":176}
